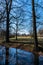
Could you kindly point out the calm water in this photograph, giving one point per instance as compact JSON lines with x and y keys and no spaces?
{"x":24,"y":58}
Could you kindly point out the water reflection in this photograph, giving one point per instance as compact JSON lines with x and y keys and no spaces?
{"x":22,"y":57}
{"x":2,"y":55}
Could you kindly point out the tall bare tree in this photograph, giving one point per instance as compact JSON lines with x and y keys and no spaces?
{"x":18,"y":18}
{"x":8,"y":4}
{"x":34,"y":26}
{"x":36,"y":62}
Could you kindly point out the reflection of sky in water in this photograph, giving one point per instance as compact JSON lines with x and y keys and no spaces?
{"x":2,"y":55}
{"x":24,"y":58}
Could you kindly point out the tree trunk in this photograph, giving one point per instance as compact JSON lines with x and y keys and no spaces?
{"x":34,"y":27}
{"x":16,"y":29}
{"x":16,"y":34}
{"x":7,"y":24}
{"x":36,"y":58}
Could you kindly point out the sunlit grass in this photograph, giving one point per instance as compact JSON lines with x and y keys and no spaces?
{"x":25,"y":38}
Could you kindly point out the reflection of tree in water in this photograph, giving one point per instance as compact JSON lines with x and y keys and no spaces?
{"x":2,"y":55}
{"x":16,"y":57}
{"x":22,"y":58}
{"x":19,"y":57}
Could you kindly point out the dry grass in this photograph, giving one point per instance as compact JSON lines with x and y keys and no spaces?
{"x":24,"y":39}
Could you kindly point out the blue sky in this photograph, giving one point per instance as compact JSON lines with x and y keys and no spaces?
{"x":27,"y":15}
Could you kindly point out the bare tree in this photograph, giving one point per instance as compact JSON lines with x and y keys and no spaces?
{"x":17,"y":9}
{"x":2,"y":21}
{"x":18,"y":24}
{"x":8,"y":4}
{"x":36,"y":62}
{"x":34,"y":26}
{"x":18,"y":18}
